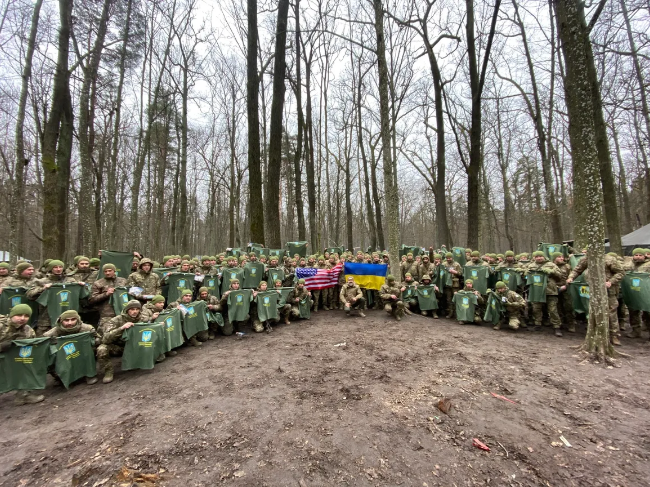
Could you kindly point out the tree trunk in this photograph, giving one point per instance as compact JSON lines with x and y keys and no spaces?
{"x":301,"y":123}
{"x":375,"y":197}
{"x":390,"y":189}
{"x":477,"y":81}
{"x":644,"y":98}
{"x":272,"y":197}
{"x":309,"y":160}
{"x":234,"y":189}
{"x":625,"y":198}
{"x":508,"y":208}
{"x":57,"y":146}
{"x":17,"y":209}
{"x":588,"y":192}
{"x":253,"y":111}
{"x":86,"y":231}
{"x":371,"y":217}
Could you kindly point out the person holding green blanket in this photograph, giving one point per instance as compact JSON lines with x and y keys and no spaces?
{"x":513,"y":303}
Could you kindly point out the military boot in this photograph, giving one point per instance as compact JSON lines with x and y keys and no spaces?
{"x":194,"y":342}
{"x":362,"y":314}
{"x":408,"y":311}
{"x":91,"y":380}
{"x":558,"y":332}
{"x":635,"y":333}
{"x":161,"y":358}
{"x":108,"y":374}
{"x":435,"y":315}
{"x":571,"y":328}
{"x":615,"y":341}
{"x":497,"y":326}
{"x":27,"y":397}
{"x":423,"y":313}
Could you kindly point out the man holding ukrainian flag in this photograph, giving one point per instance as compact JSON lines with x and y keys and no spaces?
{"x":366,"y":276}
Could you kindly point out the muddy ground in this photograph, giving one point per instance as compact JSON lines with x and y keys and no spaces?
{"x":297,"y":408}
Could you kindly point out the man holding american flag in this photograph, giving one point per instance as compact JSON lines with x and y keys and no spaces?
{"x":318,"y":278}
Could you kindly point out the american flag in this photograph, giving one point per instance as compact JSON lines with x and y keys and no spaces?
{"x":316,"y":279}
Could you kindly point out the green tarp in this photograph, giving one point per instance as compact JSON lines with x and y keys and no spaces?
{"x":459,"y":255}
{"x":144,"y":342}
{"x":12,"y":296}
{"x":580,"y":297}
{"x":118,"y":299}
{"x":304,"y":306}
{"x":574,"y":259}
{"x":74,"y":357}
{"x":494,"y":309}
{"x":510,"y":277}
{"x":442,"y":278}
{"x":549,"y":248}
{"x":414,"y":249}
{"x":24,"y":365}
{"x":228,"y":275}
{"x":121,"y":260}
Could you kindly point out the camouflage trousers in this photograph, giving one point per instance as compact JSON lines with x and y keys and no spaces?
{"x":316,"y":295}
{"x":513,"y":318}
{"x":395,"y":308}
{"x":358,"y":304}
{"x":449,"y":297}
{"x":637,"y":317}
{"x":565,"y":308}
{"x":551,"y":308}
{"x":411,"y":304}
{"x":43,"y":324}
{"x":104,"y":354}
{"x":258,"y":327}
{"x":283,"y":312}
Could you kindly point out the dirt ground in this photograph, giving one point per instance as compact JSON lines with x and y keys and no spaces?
{"x":350,"y":401}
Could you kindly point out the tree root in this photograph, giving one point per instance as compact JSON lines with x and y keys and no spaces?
{"x":601,"y":355}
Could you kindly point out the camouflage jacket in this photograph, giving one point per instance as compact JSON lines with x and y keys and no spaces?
{"x":111,"y":334}
{"x":634,"y":266}
{"x":38,"y":286}
{"x":148,"y":310}
{"x":513,"y":300}
{"x":297,"y":293}
{"x":212,"y":301}
{"x":18,"y":281}
{"x":4,"y":279}
{"x":59,"y":331}
{"x":149,"y":282}
{"x":455,"y":278}
{"x":87,"y":277}
{"x":409,"y":267}
{"x":614,"y":271}
{"x":425,"y":270}
{"x":9,"y":332}
{"x":565,"y":269}
{"x":386,"y":291}
{"x":555,"y":275}
{"x":99,"y":296}
{"x":348,"y":292}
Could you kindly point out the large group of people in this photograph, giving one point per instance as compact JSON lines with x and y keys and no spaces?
{"x":462,"y":284}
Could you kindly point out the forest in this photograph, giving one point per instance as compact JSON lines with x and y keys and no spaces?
{"x":192,"y":126}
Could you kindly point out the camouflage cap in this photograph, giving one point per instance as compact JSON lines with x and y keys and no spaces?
{"x":469,"y":281}
{"x":20,"y":268}
{"x":105,"y":267}
{"x":538,"y":253}
{"x":301,"y":281}
{"x":203,"y":289}
{"x":82,"y":258}
{"x":205,"y":257}
{"x":158,"y":298}
{"x":500,"y":255}
{"x":69,"y":314}
{"x":468,"y":250}
{"x":185,"y":292}
{"x":185,"y":257}
{"x":476,"y":253}
{"x":185,"y":262}
{"x":426,"y":277}
{"x":234,"y":281}
{"x":4,"y":265}
{"x":76,"y":259}
{"x":390,"y":277}
{"x":500,"y":285}
{"x":278,"y":280}
{"x":134,"y":303}
{"x":639,"y":251}
{"x":509,"y":253}
{"x":95,"y":262}
{"x":410,"y":254}
{"x":555,"y":255}
{"x":437,"y":256}
{"x":448,"y":255}
{"x":408,"y":274}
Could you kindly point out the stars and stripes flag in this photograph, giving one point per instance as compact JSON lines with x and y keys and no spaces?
{"x":316,"y":279}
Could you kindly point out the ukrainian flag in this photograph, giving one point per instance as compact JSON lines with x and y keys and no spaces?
{"x":369,"y":276}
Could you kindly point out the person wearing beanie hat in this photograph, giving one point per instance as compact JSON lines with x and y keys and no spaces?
{"x":43,"y":270}
{"x":411,"y":302}
{"x":185,"y":266}
{"x":214,"y":310}
{"x":94,"y":263}
{"x":565,"y":303}
{"x":4,"y":272}
{"x":23,"y":277}
{"x":453,"y":268}
{"x":478,"y":315}
{"x":145,"y":279}
{"x":391,"y":296}
{"x":298,"y":294}
{"x":152,"y":309}
{"x":425,"y":268}
{"x":639,"y":263}
{"x":16,"y":327}
{"x":508,"y":262}
{"x":554,"y":278}
{"x":103,"y":290}
{"x":513,"y":303}
{"x":351,"y":297}
{"x":184,"y":300}
{"x":112,"y":344}
{"x":317,"y":293}
{"x":55,"y":275}
{"x":410,"y":265}
{"x":83,"y":274}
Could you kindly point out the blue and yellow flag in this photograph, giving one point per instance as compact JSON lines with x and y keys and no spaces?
{"x":369,"y":276}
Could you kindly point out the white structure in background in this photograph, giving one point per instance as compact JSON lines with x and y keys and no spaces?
{"x":6,"y":256}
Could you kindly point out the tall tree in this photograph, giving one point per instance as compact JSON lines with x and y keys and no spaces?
{"x":588,"y":191}
{"x":390,"y":188}
{"x":57,"y":146}
{"x":272,"y":196}
{"x":17,"y":209}
{"x":253,"y":110}
{"x":477,"y":82}
{"x":297,"y":158}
